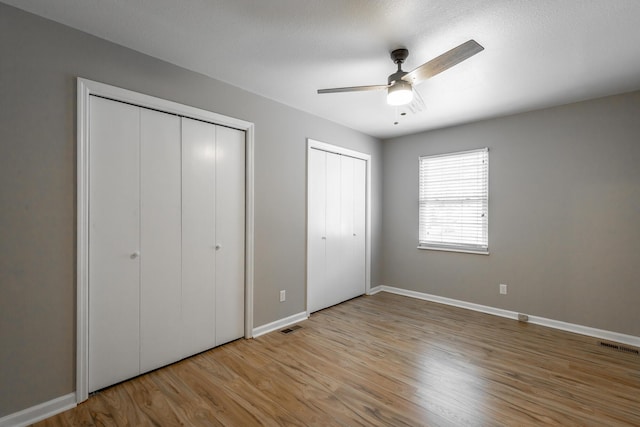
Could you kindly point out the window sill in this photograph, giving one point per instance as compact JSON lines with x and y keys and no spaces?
{"x":465,"y":251}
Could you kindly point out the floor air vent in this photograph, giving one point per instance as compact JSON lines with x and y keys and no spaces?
{"x":619,"y":348}
{"x":291,"y":329}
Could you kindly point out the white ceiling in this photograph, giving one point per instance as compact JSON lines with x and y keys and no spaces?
{"x":537,"y":53}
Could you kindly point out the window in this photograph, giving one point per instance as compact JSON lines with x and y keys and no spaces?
{"x":454,"y":201}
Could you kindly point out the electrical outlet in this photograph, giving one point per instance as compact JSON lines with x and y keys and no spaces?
{"x":283,"y":296}
{"x":503,"y":289}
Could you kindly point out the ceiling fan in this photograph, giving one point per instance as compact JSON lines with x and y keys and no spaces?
{"x":399,"y":84}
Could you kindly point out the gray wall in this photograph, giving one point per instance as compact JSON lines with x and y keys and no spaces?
{"x":564,"y":215}
{"x":39,"y":61}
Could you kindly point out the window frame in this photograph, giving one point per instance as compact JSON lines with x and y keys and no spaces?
{"x":483,"y":247}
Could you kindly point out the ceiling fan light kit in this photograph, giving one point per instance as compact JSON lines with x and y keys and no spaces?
{"x":400,"y":84}
{"x":399,"y":93}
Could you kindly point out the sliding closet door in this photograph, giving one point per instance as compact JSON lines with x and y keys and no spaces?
{"x":230,"y":197}
{"x":160,"y":239}
{"x":114,"y":245}
{"x":316,"y":229}
{"x":198,"y":236}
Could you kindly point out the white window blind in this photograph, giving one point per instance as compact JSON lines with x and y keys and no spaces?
{"x":454,"y":201}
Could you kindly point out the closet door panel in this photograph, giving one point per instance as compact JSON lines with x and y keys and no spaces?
{"x":347,"y":286}
{"x":160,"y":239}
{"x":359,"y":224}
{"x":230,"y":201}
{"x":113,"y":242}
{"x":334,"y":245}
{"x":336,"y":210}
{"x":198,"y":236}
{"x":316,"y":234}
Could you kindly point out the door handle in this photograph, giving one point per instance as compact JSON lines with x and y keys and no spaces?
{"x":135,"y":255}
{"x":218,"y":246}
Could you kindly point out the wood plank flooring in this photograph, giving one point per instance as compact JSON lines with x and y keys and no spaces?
{"x":384,"y":360}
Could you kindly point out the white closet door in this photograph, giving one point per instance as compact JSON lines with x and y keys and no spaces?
{"x":166,"y":239}
{"x":160,"y":240}
{"x":358,"y":246}
{"x":316,"y":234}
{"x":114,"y":261}
{"x":198,"y":236}
{"x":336,"y":229}
{"x":229,"y":217}
{"x":334,"y":252}
{"x":346,"y":287}
{"x":353,"y":222}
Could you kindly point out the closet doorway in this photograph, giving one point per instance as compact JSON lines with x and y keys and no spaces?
{"x":338,"y":236}
{"x":147,"y":173}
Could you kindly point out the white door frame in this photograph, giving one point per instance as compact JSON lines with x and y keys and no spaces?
{"x":323,"y":146}
{"x":86,"y":88}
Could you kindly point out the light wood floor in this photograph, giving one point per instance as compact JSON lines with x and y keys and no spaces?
{"x":384,"y":360}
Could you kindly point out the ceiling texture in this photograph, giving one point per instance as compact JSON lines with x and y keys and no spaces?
{"x":537,"y":53}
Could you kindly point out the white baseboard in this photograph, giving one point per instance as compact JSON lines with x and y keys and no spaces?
{"x":586,"y":330}
{"x":374,"y":290}
{"x":543,"y":321}
{"x":39,"y":412}
{"x":278,"y":324}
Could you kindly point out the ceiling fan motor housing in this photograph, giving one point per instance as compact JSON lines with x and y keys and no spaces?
{"x":399,"y":91}
{"x":398,"y":56}
{"x":397,"y":77}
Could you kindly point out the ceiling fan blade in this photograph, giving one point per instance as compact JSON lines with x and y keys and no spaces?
{"x":443,"y":62}
{"x":352,"y":89}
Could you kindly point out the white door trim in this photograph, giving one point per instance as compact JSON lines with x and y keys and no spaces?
{"x":85,"y":88}
{"x":318,"y":145}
